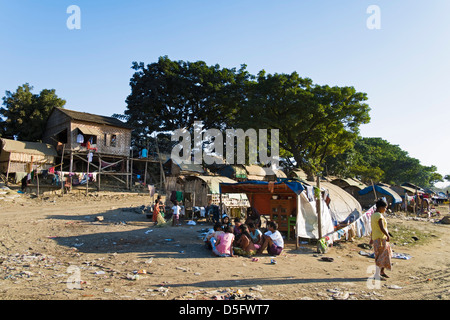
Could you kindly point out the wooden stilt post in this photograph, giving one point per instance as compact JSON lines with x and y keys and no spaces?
{"x":99,"y":171}
{"x":128,"y":170}
{"x":62,"y":173}
{"x":319,"y":214}
{"x":87,"y":174}
{"x":7,"y":171}
{"x":71,"y":169}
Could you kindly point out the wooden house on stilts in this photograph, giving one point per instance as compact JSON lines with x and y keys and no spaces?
{"x":90,"y":145}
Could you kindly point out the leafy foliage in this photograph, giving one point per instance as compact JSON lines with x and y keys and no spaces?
{"x":25,"y":114}
{"x":168,"y":95}
{"x":315,"y":121}
{"x":375,"y":159}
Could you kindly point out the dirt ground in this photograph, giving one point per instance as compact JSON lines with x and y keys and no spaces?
{"x":53,"y":248}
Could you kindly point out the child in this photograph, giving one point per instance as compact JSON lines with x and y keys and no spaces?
{"x":211,"y":237}
{"x":224,"y":244}
{"x":244,"y":246}
{"x":255,"y":233}
{"x":237,"y":225}
{"x":176,"y":214}
{"x":156,"y":210}
{"x":272,"y":240}
{"x":226,"y":222}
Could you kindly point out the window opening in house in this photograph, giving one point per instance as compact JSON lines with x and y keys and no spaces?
{"x":113,"y":142}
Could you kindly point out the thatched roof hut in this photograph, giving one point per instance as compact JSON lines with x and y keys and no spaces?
{"x":24,"y":156}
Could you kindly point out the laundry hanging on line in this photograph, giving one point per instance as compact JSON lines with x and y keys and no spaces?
{"x":361,"y":226}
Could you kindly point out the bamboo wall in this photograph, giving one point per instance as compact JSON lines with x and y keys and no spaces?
{"x":59,"y":121}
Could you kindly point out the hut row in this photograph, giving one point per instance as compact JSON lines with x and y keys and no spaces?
{"x":79,"y":145}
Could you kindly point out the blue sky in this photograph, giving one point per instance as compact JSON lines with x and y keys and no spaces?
{"x":404,"y":67}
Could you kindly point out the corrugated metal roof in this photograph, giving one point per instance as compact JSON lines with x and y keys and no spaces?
{"x":214,"y":182}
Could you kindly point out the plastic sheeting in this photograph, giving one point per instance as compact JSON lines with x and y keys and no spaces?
{"x":307,"y":218}
{"x":342,"y":204}
{"x":383,"y":190}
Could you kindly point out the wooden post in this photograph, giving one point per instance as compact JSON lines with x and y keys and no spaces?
{"x":131,"y":169}
{"x":37,"y":180}
{"x":145,"y":173}
{"x":87,"y":174}
{"x":406,"y":202}
{"x":62,"y":174}
{"x":128,"y":170}
{"x":71,"y":169}
{"x":319,"y":215}
{"x":99,"y":170}
{"x":146,"y":163}
{"x":7,"y":171}
{"x":220,"y":205}
{"x":416,"y":202}
{"x":193,"y":198}
{"x":162,"y":176}
{"x":374,"y":192}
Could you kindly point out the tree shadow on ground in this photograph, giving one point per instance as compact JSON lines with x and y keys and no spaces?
{"x":251,"y":282}
{"x":124,"y":230}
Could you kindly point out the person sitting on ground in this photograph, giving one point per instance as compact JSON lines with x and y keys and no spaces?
{"x":253,"y":216}
{"x":226,"y":221}
{"x":212,"y":212}
{"x":224,"y":244}
{"x":236,"y":229}
{"x":272,"y":240}
{"x":211,"y":237}
{"x":255,"y":233}
{"x":244,"y":246}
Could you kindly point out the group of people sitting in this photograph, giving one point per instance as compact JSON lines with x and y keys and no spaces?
{"x":243,"y":239}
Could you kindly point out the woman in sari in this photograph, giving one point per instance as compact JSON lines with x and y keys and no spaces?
{"x":380,"y":240}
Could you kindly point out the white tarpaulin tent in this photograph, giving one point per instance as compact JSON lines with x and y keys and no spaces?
{"x":307,"y":218}
{"x":342,"y":203}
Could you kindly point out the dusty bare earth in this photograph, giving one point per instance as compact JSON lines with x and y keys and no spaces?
{"x":52,"y":248}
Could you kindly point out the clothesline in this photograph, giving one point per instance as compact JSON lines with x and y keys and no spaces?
{"x":360,"y":227}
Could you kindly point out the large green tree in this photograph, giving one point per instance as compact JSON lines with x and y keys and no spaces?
{"x":25,"y":114}
{"x":169,"y":95}
{"x":314,"y":121}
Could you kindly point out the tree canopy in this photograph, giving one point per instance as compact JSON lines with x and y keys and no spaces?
{"x":318,"y":124}
{"x":25,"y":114}
{"x":377,"y":160}
{"x":169,"y":95}
{"x":314,"y":121}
